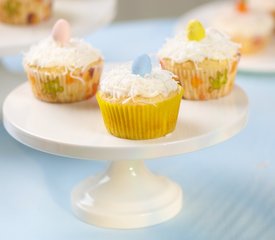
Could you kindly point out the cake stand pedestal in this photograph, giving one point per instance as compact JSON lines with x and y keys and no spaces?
{"x":127,"y":194}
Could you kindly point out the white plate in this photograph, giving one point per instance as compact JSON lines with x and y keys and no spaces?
{"x":261,"y":62}
{"x":84,"y":16}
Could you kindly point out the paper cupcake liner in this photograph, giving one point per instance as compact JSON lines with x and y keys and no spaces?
{"x":25,"y":12}
{"x":207,"y":80}
{"x":64,"y":87}
{"x":252,"y":45}
{"x":140,"y":121}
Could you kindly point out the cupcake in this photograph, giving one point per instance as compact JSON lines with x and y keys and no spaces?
{"x":140,"y":103}
{"x":204,"y":61}
{"x":264,"y":5}
{"x":25,"y":11}
{"x":252,"y":28}
{"x":61,"y":69}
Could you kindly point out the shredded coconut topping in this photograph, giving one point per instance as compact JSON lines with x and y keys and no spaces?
{"x":253,"y":23}
{"x":49,"y":53}
{"x":216,"y":45}
{"x":266,"y":5}
{"x":121,"y":83}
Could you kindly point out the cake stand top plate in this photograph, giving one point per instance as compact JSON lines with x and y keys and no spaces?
{"x":77,"y":130}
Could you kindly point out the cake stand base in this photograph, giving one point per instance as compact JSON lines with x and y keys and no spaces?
{"x":127,"y":195}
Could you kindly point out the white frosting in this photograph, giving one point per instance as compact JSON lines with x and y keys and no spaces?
{"x":215,"y":45}
{"x":121,"y":83}
{"x":27,"y":2}
{"x":249,"y":24}
{"x":267,"y":5}
{"x":49,"y":53}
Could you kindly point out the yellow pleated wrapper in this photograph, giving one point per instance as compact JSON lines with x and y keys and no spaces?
{"x":209,"y":79}
{"x":58,"y":85}
{"x":146,"y":119}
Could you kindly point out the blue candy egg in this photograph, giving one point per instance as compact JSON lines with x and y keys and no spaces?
{"x":142,"y":65}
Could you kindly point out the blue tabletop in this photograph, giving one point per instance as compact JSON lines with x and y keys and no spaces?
{"x":229,"y":189}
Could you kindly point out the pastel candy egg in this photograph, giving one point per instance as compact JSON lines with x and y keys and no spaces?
{"x":241,"y":6}
{"x":142,"y":65}
{"x":195,"y":31}
{"x":61,"y":31}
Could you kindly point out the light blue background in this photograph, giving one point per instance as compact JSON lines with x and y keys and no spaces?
{"x":229,"y":188}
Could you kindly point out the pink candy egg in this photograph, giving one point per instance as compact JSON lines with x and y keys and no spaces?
{"x":61,"y":31}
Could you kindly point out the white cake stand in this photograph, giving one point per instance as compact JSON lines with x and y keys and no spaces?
{"x":127,"y":194}
{"x":83,"y":15}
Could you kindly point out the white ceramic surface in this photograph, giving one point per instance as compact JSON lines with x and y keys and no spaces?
{"x":84,"y":16}
{"x":261,"y":62}
{"x":127,"y":195}
{"x":77,"y":130}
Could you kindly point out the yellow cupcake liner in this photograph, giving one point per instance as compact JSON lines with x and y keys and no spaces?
{"x":209,"y":79}
{"x":60,"y":86}
{"x":139,"y":121}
